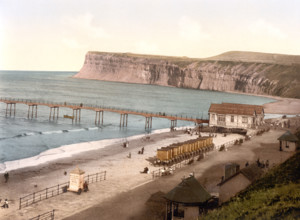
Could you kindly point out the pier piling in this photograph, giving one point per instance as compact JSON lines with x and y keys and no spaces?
{"x":55,"y":112}
{"x":99,"y":117}
{"x":77,"y":114}
{"x":173,"y":124}
{"x":31,"y":109}
{"x":10,"y":104}
{"x":123,"y":120}
{"x":148,"y":122}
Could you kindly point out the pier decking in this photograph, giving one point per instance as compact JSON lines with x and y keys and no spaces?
{"x":54,"y":112}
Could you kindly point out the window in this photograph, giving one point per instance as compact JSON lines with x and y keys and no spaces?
{"x":245,"y":120}
{"x":221,"y":118}
{"x":232,"y":118}
{"x":213,"y":117}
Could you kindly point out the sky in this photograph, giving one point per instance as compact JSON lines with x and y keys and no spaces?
{"x":55,"y":35}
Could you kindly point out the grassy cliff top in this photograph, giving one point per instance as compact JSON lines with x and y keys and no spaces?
{"x":234,"y":56}
{"x":244,"y":56}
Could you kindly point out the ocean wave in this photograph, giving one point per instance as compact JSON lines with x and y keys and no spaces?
{"x":49,"y":132}
{"x":77,"y":130}
{"x":52,"y":132}
{"x":69,"y":150}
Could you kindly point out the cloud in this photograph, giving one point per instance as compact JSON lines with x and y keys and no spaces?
{"x":146,"y":47}
{"x":73,"y":44}
{"x":264,"y":28}
{"x":83,"y":25}
{"x":189,"y":29}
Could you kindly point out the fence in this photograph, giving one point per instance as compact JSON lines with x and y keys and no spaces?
{"x":170,"y":169}
{"x":97,"y":177}
{"x":56,"y":190}
{"x":229,"y":143}
{"x":45,"y":216}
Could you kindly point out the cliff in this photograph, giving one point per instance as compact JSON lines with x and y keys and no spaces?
{"x":249,"y":72}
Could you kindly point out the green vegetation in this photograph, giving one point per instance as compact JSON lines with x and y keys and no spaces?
{"x":275,"y":196}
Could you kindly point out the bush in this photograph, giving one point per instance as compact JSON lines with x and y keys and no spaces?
{"x":241,"y":141}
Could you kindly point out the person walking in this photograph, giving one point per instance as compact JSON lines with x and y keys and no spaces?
{"x":6,"y":176}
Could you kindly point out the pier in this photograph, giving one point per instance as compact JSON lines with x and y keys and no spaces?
{"x":99,"y":111}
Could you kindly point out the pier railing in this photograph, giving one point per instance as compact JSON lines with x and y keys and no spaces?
{"x":100,"y":107}
{"x":46,"y":216}
{"x":56,"y":190}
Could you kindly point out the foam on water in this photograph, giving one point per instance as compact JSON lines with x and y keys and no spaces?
{"x":69,"y":150}
{"x":52,"y":132}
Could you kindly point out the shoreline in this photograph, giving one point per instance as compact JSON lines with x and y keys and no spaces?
{"x":71,"y":150}
{"x":281,"y":105}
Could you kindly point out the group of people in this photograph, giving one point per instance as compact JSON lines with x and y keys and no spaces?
{"x":141,"y":151}
{"x":5,"y":205}
{"x":262,"y":164}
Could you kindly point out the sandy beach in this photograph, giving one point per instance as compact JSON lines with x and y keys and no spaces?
{"x":123,"y":194}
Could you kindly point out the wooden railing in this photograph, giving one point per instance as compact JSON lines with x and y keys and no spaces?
{"x":56,"y":190}
{"x":45,"y":216}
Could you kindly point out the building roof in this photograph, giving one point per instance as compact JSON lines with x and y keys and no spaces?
{"x":288,"y":136}
{"x":236,"y":109}
{"x":189,"y":191}
{"x":252,"y":173}
{"x":77,"y":171}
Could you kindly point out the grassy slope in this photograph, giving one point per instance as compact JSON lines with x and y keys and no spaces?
{"x":275,"y":196}
{"x":244,"y":56}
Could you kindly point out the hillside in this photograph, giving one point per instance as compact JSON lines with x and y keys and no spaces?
{"x":257,"y":57}
{"x":275,"y":196}
{"x":249,"y":72}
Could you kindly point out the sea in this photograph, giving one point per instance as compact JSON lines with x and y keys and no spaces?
{"x":27,"y":142}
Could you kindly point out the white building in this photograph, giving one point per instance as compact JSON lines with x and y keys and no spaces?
{"x":288,"y":142}
{"x":231,"y":115}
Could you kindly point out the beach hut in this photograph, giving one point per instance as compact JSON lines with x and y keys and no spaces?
{"x":164,"y":154}
{"x":186,"y":200}
{"x":288,"y":142}
{"x":76,"y":180}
